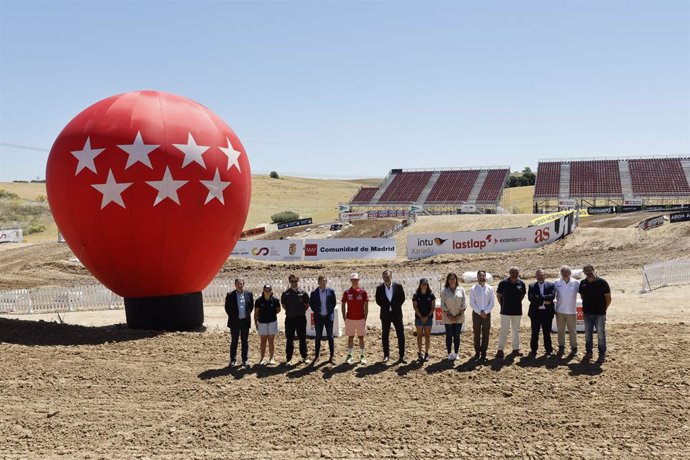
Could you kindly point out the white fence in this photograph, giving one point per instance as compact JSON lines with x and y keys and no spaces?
{"x":659,"y":274}
{"x":98,"y":297}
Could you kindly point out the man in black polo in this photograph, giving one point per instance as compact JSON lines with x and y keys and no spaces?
{"x":596,"y":298}
{"x":510,"y":293}
{"x":295,"y":302}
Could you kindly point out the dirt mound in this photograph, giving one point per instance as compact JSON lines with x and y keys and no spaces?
{"x":170,"y":396}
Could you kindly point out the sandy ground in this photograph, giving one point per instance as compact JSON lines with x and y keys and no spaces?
{"x":91,"y":388}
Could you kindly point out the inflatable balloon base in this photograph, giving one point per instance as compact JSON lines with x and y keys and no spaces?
{"x":181,"y":312}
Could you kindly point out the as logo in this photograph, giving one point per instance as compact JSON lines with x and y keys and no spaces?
{"x":259,"y":251}
{"x":541,"y":235}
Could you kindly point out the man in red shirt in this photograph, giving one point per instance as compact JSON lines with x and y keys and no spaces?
{"x":355,"y":310}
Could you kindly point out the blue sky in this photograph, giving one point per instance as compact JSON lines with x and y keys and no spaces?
{"x":353,"y":89}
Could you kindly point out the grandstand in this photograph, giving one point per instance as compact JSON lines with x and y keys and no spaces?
{"x":612,"y":182}
{"x":437,"y":191}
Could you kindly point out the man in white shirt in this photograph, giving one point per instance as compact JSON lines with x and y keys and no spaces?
{"x":566,"y":309}
{"x":482,"y":302}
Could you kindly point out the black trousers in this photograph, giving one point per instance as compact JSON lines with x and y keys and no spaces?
{"x":541,"y":320}
{"x":481,"y":327}
{"x":237,"y":331}
{"x":321,"y":323}
{"x":295,"y":324}
{"x":386,"y":322}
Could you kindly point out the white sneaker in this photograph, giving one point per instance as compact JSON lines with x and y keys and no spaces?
{"x":262,"y":362}
{"x":455,"y":356}
{"x":271,"y":361}
{"x":450,"y":357}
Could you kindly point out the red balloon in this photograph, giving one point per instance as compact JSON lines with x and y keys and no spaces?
{"x":150,"y":191}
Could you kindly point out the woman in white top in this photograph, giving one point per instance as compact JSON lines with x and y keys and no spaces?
{"x":453,"y":304}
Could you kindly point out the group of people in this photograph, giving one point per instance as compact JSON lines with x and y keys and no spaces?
{"x":546,"y":300}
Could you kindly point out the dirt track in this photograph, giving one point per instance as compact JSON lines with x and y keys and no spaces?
{"x":106,"y":392}
{"x":81,"y":392}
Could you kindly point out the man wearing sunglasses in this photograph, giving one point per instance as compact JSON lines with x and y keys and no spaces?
{"x":295,"y":302}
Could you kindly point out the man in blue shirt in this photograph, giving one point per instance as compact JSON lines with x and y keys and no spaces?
{"x":322,"y":302}
{"x":239,"y":305}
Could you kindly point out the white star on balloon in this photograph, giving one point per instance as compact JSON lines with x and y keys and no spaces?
{"x":167,"y":187}
{"x":215,"y":188}
{"x":232,"y":154}
{"x":192,"y":151}
{"x":86,"y":156}
{"x":111,"y":190}
{"x":138,"y":151}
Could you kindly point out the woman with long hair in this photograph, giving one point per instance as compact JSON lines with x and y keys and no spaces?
{"x":424,"y":303}
{"x":453,"y":305}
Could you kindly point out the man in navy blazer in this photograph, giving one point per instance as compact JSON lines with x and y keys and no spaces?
{"x":541,"y":312}
{"x":322,"y":301}
{"x":239,"y":305}
{"x":390,"y":297}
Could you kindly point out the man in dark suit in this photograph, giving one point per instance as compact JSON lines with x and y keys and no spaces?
{"x":322,"y":301}
{"x":390,"y":297}
{"x":541,"y":312}
{"x":239,"y":305}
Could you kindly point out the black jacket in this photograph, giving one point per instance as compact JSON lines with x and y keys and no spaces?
{"x":536,"y":300}
{"x":231,"y":306}
{"x":392,"y":307}
{"x":315,"y":302}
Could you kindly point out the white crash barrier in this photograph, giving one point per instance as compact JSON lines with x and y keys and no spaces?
{"x":337,"y":325}
{"x":471,"y":277}
{"x":579,"y":326}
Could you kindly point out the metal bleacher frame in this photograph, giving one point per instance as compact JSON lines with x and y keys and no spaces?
{"x":549,"y":204}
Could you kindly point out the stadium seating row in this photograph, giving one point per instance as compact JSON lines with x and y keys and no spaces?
{"x":650,"y":177}
{"x":452,"y":186}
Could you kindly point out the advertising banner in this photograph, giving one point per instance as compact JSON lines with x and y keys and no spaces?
{"x":269,"y":249}
{"x":350,"y":248}
{"x":679,"y":217}
{"x":652,"y":222}
{"x":496,"y":240}
{"x":362,"y":215}
{"x":601,"y":210}
{"x":632,"y":202}
{"x":631,"y":208}
{"x":295,"y":223}
{"x":467,"y":209}
{"x":253,"y":232}
{"x":14,"y":235}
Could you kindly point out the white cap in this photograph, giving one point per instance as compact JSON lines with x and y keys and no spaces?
{"x":354,"y":276}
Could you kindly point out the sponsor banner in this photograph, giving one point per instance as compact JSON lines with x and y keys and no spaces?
{"x":679,"y":207}
{"x":362,"y":215}
{"x":546,"y":218}
{"x":269,"y":249}
{"x":416,"y":208}
{"x":655,"y":208}
{"x":14,"y":235}
{"x":652,"y":222}
{"x":631,"y":208}
{"x":680,"y":217}
{"x":253,"y":232}
{"x":350,"y":248}
{"x":593,"y":210}
{"x":344,"y":208}
{"x":496,"y":240}
{"x":632,"y":202}
{"x":295,"y":223}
